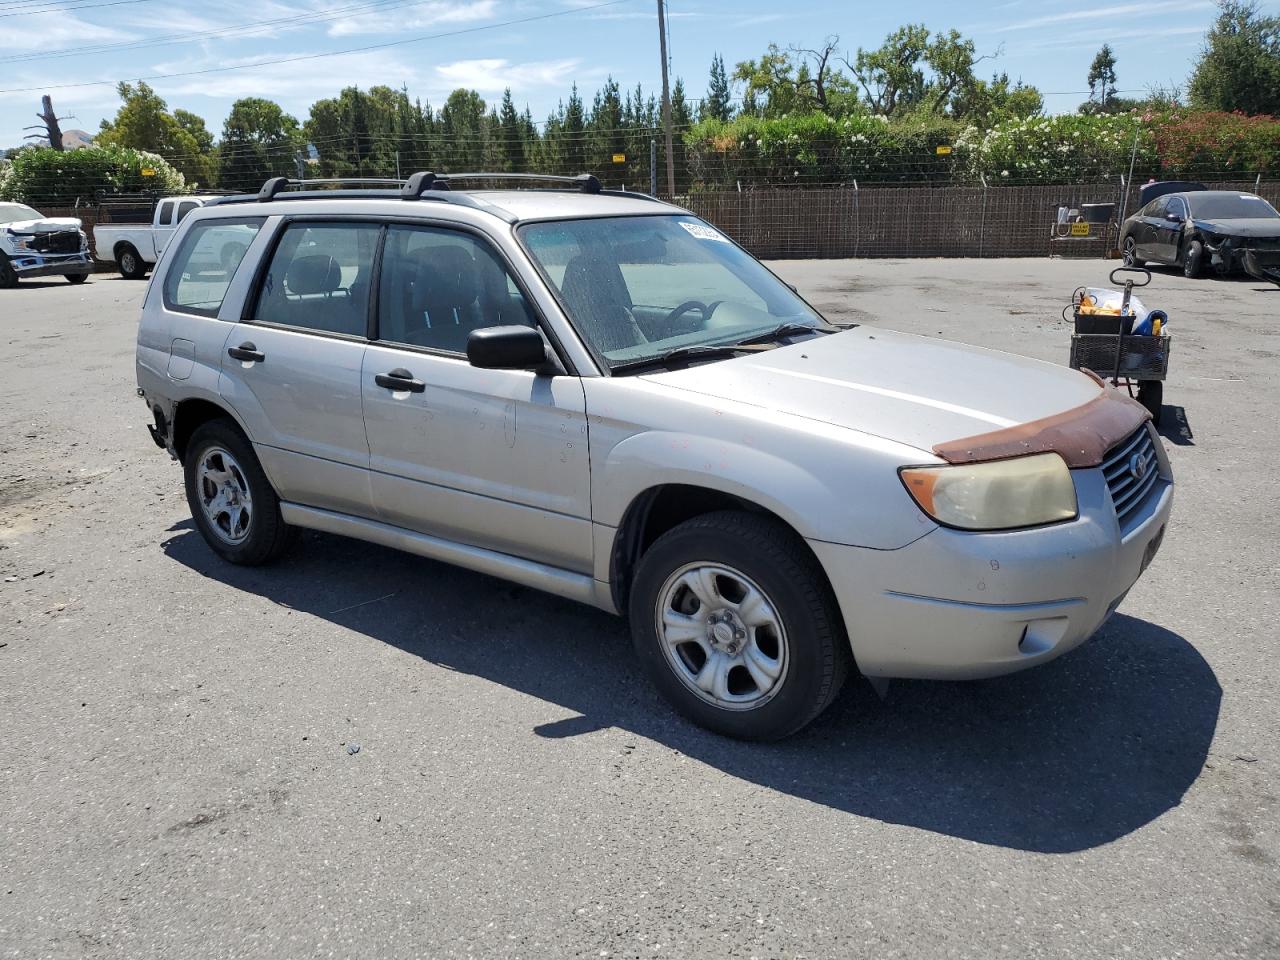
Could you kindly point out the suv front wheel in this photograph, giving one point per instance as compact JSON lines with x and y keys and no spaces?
{"x":736,"y":625}
{"x":231,"y":500}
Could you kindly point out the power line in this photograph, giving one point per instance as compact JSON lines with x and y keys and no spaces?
{"x":319,"y":56}
{"x":70,"y":9}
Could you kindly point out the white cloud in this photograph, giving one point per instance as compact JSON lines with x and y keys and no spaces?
{"x":495,"y":75}
{"x":50,"y":31}
{"x":1107,"y":13}
{"x":417,"y":16}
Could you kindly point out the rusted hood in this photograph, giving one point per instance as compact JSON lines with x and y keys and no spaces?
{"x":1081,"y":435}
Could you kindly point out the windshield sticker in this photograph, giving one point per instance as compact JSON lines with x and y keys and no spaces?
{"x":702,"y":232}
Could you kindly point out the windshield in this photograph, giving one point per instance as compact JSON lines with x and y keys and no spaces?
{"x":14,"y":212}
{"x":1231,"y":206}
{"x":639,"y":287}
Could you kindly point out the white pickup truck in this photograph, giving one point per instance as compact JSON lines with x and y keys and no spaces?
{"x":135,"y":247}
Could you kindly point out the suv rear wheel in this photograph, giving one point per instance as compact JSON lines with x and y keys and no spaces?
{"x":231,"y":500}
{"x":736,"y":625}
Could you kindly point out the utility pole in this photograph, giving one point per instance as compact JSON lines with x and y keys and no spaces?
{"x":666,"y":100}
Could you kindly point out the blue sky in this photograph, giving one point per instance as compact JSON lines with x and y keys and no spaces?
{"x":1049,"y":45}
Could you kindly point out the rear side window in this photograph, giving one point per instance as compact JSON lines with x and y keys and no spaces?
{"x":201,"y":271}
{"x":166,"y":213}
{"x":319,"y":278}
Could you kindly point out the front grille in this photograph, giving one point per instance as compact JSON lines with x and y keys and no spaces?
{"x":1132,"y":472}
{"x":64,"y":241}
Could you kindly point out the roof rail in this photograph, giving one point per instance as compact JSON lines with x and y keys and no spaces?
{"x":276,"y":184}
{"x":417,"y":184}
{"x":584,"y":182}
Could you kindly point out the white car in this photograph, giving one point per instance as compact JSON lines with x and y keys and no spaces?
{"x":600,"y":395}
{"x":32,"y":245}
{"x":135,"y":247}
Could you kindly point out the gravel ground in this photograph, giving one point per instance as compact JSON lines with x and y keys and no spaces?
{"x":177,"y":775}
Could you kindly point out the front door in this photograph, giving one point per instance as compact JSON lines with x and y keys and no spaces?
{"x":492,"y":458}
{"x":292,"y":371}
{"x":1169,"y":232}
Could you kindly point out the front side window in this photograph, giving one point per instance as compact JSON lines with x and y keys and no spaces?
{"x":319,"y":278}
{"x":201,"y":271}
{"x":1176,"y":205}
{"x":185,"y":207}
{"x":638,"y":287}
{"x":438,"y":285}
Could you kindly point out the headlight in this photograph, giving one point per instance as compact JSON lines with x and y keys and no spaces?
{"x":999,"y":495}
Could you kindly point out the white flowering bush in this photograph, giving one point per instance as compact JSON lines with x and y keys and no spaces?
{"x":57,"y":178}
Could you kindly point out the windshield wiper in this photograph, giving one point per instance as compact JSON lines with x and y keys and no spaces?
{"x":788,"y":329}
{"x":682,"y":353}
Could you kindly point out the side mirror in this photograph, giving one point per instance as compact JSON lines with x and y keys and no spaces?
{"x":1173,"y":217}
{"x":506,"y":348}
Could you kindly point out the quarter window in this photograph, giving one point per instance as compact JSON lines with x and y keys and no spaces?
{"x":201,"y":271}
{"x":438,"y":285}
{"x":319,"y":278}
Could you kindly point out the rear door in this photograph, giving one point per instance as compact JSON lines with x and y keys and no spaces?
{"x":1168,"y":233}
{"x":291,"y":368}
{"x":492,"y":458}
{"x":1152,"y":214}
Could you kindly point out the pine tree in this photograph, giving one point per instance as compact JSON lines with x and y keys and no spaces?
{"x":717,"y":105}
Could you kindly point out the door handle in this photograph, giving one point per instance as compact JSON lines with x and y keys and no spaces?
{"x":400,"y":379}
{"x":247,"y":352}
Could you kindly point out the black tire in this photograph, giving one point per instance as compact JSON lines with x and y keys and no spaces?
{"x":770,"y":554}
{"x":1151,"y":396}
{"x":1130,"y":251}
{"x":77,"y":277}
{"x":267,"y":536}
{"x":130,"y":263}
{"x":1193,"y":260}
{"x":8,"y":277}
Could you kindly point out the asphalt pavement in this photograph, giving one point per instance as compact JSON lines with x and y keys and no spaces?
{"x":179,"y":778}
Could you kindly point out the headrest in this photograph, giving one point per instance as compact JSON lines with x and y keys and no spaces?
{"x":450,"y":275}
{"x":314,"y":274}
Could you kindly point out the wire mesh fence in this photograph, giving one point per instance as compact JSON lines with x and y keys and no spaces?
{"x":957,"y":220}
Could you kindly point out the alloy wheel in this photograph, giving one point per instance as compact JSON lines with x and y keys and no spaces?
{"x":224,"y":495}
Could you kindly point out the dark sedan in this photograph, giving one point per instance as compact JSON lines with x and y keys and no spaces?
{"x":1198,"y":229}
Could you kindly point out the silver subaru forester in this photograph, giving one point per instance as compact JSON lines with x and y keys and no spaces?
{"x":600,"y":395}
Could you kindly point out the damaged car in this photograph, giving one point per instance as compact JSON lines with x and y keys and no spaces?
{"x":1183,"y":224}
{"x":32,"y":245}
{"x":598,"y":394}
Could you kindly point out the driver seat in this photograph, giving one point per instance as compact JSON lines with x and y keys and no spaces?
{"x":596,"y":294}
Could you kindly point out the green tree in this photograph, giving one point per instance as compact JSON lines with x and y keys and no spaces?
{"x":718,"y":103}
{"x":511,"y":137}
{"x":144,"y":122}
{"x":1239,"y":66}
{"x":606,"y":135}
{"x":916,"y":70}
{"x":1102,"y":76}
{"x":796,"y":80}
{"x":985,"y":104}
{"x":464,"y":131}
{"x":259,"y":141}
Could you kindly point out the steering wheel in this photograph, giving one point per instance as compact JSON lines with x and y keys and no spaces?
{"x":688,"y":305}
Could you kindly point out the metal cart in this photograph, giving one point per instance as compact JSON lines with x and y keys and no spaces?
{"x":1103,"y":344}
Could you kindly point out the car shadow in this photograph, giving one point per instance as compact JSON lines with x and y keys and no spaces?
{"x":1175,"y":427}
{"x":1063,"y":758}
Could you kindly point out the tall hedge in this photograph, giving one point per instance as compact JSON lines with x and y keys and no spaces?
{"x":818,"y":150}
{"x":55,"y":178}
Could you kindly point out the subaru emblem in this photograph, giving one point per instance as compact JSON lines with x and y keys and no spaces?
{"x":1138,"y":464}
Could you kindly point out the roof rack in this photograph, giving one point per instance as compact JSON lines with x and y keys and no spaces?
{"x":584,"y":182}
{"x":276,"y":184}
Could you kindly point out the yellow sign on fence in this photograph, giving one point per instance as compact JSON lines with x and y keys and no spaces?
{"x":1080,"y":229}
{"x":148,"y":172}
{"x":943,"y":150}
{"x":619,"y":158}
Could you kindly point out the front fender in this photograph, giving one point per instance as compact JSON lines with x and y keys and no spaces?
{"x":860,"y":502}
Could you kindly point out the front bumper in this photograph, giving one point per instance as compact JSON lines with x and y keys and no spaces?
{"x":955,"y":605}
{"x":47,"y":265}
